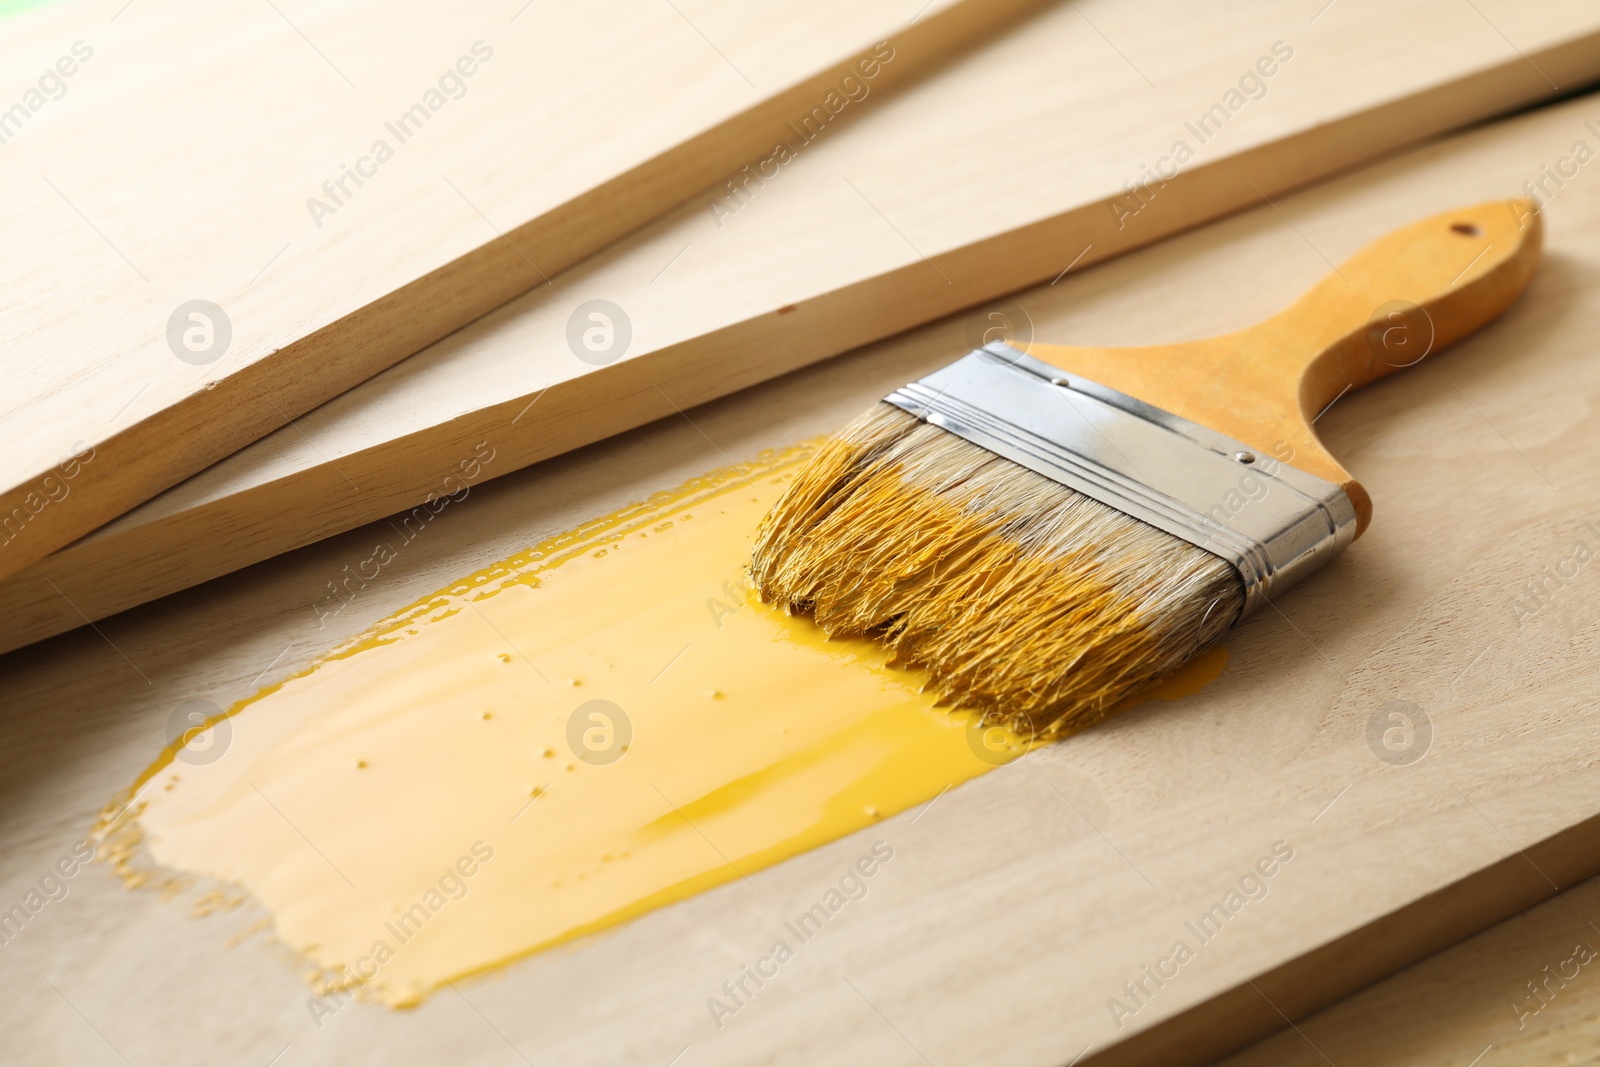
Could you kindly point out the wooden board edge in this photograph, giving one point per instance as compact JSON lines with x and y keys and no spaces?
{"x":1270,"y":1001}
{"x":141,"y":460}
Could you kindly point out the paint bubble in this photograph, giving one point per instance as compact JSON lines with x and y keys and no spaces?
{"x":997,"y":739}
{"x":1399,"y":333}
{"x":599,"y":332}
{"x":196,"y":742}
{"x":1004,"y":321}
{"x":1399,"y":733}
{"x":199,"y":332}
{"x":599,"y":732}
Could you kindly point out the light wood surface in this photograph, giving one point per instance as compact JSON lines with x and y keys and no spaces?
{"x":942,"y":197}
{"x":1018,"y":904}
{"x":1399,"y":300}
{"x":348,"y":183}
{"x":1471,"y":1004}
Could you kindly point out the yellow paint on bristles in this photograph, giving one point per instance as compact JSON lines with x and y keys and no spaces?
{"x":1018,"y":596}
{"x":570,"y":738}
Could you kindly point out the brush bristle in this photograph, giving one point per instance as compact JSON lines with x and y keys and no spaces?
{"x":1014,"y":592}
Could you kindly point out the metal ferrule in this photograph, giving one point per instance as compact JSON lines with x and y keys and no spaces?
{"x":1275,"y":524}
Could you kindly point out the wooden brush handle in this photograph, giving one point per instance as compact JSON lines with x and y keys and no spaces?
{"x":1398,"y":300}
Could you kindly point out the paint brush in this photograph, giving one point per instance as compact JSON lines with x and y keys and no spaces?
{"x":1045,"y":531}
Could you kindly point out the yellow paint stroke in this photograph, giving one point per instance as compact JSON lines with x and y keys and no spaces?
{"x":443,"y":794}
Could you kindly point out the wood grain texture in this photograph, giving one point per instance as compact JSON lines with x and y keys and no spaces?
{"x":1398,"y":301}
{"x":877,"y":227}
{"x":1522,"y":993}
{"x":1019,"y":904}
{"x":349,"y":183}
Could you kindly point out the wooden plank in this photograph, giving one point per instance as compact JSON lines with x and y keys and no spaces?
{"x":349,"y":183}
{"x":1472,"y":1001}
{"x":1018,"y":904}
{"x":876,"y":228}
